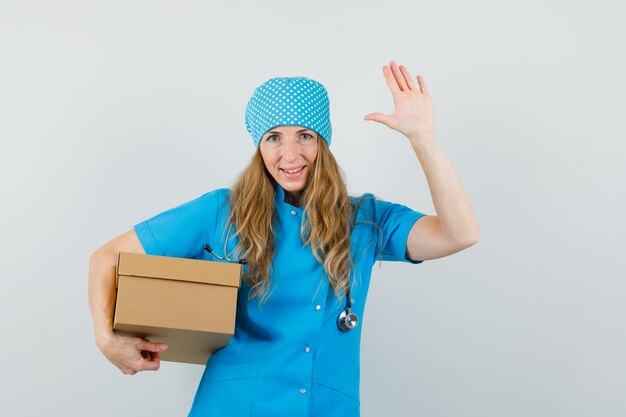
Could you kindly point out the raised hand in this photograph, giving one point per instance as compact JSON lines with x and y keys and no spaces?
{"x":414,"y":114}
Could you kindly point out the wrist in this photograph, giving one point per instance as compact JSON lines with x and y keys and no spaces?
{"x":422,"y":138}
{"x":421,"y":143}
{"x":103,"y":338}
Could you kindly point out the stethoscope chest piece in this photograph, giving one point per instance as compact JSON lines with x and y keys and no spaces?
{"x":347,"y":320}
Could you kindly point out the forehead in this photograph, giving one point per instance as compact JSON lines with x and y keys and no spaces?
{"x":289,"y":129}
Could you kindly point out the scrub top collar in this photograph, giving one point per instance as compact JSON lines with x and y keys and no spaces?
{"x":280,"y":200}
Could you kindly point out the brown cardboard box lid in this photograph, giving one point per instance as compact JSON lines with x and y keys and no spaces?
{"x":178,"y":269}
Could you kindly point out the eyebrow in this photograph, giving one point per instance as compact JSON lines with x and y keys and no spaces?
{"x":276,"y":131}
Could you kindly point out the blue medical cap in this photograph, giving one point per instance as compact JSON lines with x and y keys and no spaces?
{"x":284,"y":101}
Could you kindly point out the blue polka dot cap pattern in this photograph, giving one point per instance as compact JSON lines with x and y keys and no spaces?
{"x":284,"y":101}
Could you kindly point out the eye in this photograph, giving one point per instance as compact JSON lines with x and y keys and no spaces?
{"x":309,"y":136}
{"x":269,"y":138}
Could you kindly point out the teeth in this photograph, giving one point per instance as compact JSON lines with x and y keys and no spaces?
{"x":294,"y":170}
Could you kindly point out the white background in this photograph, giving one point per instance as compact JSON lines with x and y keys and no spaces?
{"x":113,"y":111}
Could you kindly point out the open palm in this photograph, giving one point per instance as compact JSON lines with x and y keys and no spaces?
{"x":413,"y":114}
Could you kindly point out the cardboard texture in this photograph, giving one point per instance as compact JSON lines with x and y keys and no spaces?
{"x":189,"y":304}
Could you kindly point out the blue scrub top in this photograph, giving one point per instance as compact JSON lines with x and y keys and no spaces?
{"x":287,"y":357}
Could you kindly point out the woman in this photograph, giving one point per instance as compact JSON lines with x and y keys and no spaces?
{"x":310,"y":249}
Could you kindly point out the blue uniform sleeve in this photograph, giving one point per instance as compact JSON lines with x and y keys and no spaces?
{"x":395,"y":221}
{"x":182,"y":231}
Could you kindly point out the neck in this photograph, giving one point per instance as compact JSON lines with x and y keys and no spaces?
{"x":293,"y":198}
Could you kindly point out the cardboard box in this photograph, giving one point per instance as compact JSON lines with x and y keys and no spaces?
{"x":189,"y":304}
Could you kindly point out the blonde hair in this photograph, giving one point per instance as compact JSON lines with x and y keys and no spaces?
{"x":329,"y":221}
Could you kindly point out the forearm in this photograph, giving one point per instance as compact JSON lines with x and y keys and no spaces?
{"x":101,"y":290}
{"x":457,"y":218}
{"x":125,"y":352}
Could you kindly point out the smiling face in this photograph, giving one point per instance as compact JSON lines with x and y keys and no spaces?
{"x":290,"y":148}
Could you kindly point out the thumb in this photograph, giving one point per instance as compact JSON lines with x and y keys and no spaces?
{"x":151,"y":346}
{"x":378,"y":117}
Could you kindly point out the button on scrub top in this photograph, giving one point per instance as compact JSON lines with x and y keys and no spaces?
{"x":287,"y":356}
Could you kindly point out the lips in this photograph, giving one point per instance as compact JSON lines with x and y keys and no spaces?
{"x":293,"y":175}
{"x":293,"y":170}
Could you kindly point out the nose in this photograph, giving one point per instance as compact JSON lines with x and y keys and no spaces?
{"x":290,"y":150}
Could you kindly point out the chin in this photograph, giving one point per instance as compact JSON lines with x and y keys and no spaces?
{"x":292,"y":189}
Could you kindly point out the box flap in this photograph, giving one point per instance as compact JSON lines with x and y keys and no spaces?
{"x":117,"y":269}
{"x":180,"y":269}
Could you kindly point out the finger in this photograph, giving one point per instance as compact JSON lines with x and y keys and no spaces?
{"x":409,"y":80}
{"x":398,"y":76}
{"x":148,"y":361}
{"x":379,"y":117}
{"x":152,"y":364}
{"x":391,"y":81}
{"x":152,"y":355}
{"x":422,"y":83}
{"x":150,"y":346}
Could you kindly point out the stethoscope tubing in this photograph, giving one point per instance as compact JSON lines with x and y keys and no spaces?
{"x":347,"y":319}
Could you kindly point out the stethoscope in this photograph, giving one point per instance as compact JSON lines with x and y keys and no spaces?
{"x":236,"y":261}
{"x":347,"y":320}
